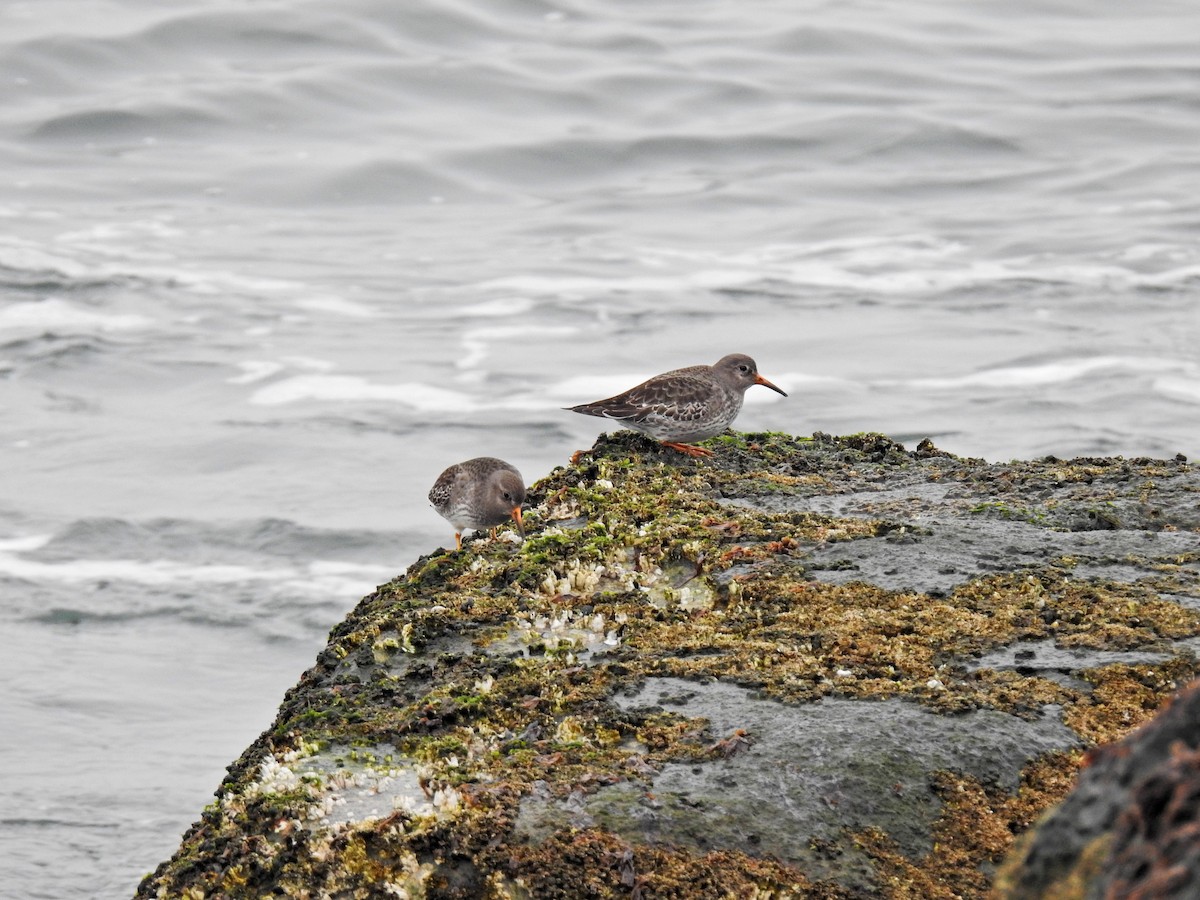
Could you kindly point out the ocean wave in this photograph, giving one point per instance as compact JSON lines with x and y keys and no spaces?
{"x":883,"y":265}
{"x":1178,"y":387}
{"x":24,"y":543}
{"x":256,"y":370}
{"x":63,"y":317}
{"x":29,"y":259}
{"x":1045,"y":373}
{"x":478,"y":343}
{"x":273,"y":575}
{"x":338,"y":306}
{"x":112,"y":253}
{"x":500,"y":307}
{"x":189,"y":541}
{"x":123,"y":126}
{"x":355,"y":388}
{"x":316,"y":578}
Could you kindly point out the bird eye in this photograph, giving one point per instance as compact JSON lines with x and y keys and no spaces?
{"x":743,"y":368}
{"x":507,"y":496}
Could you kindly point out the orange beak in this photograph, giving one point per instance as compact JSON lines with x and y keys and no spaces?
{"x":758,"y":379}
{"x":516,"y":514}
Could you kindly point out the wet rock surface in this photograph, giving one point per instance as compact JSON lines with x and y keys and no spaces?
{"x":790,"y":779}
{"x":824,"y":667}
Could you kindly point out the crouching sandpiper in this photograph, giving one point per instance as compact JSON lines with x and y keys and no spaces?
{"x":480,"y":493}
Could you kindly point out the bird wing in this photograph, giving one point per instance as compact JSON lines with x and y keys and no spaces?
{"x":681,"y":396}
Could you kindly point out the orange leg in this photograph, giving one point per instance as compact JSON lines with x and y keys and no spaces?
{"x":458,"y":540}
{"x":689,"y":449}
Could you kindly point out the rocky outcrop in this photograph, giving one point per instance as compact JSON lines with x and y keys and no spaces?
{"x":824,"y":667}
{"x":1130,"y":829}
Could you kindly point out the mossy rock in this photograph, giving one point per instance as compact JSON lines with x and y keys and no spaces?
{"x":821,"y":667}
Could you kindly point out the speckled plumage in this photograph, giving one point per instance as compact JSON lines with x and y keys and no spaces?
{"x":684,"y":405}
{"x":480,"y":493}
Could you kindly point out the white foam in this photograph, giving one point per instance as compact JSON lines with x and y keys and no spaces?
{"x":880,"y":265}
{"x":337,"y":305}
{"x":1140,"y":252}
{"x":21,"y":257}
{"x":760,"y":396}
{"x":61,"y":317}
{"x":158,"y":572}
{"x":24,"y":544}
{"x":422,"y":397}
{"x":1178,"y":388}
{"x":255,"y":370}
{"x":114,"y":238}
{"x":1045,"y":373}
{"x":309,"y":363}
{"x":504,"y":306}
{"x":477,"y":342}
{"x":321,"y":577}
{"x":581,"y":287}
{"x":81,"y":256}
{"x":214,"y":282}
{"x":586,"y":388}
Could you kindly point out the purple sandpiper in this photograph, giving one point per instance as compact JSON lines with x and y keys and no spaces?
{"x":682,"y":406}
{"x":480,"y":493}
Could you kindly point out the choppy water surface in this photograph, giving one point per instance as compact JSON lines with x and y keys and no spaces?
{"x":265,"y":269}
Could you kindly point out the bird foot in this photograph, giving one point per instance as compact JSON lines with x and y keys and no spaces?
{"x":689,"y":449}
{"x":578,"y":455}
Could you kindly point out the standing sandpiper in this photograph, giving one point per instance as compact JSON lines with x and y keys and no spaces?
{"x":682,"y":406}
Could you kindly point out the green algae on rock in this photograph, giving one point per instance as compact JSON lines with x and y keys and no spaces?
{"x":778,"y":672}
